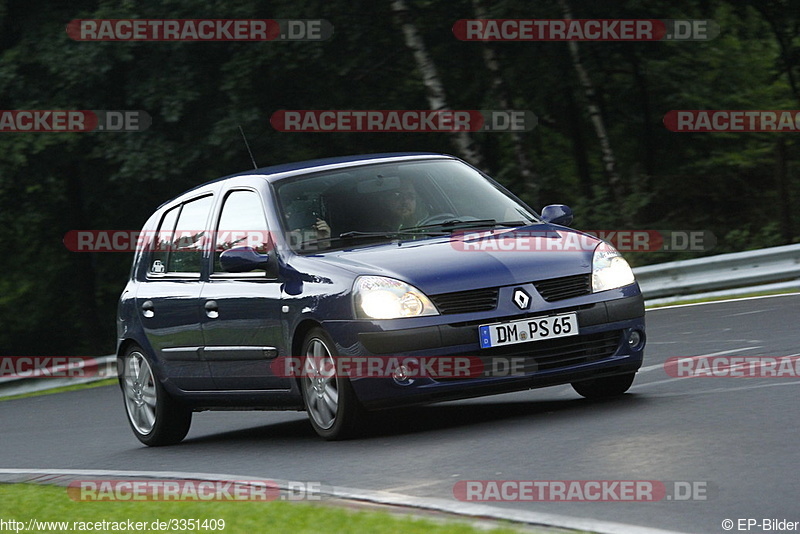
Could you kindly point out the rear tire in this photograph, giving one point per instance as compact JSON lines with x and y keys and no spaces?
{"x":154,"y":416}
{"x":332,"y":406}
{"x":606,"y":387}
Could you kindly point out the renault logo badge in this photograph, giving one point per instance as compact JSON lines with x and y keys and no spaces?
{"x":521,"y":299}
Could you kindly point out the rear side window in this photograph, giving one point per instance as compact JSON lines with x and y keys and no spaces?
{"x":189,"y":238}
{"x":181,"y":238}
{"x":241,"y":224}
{"x":163,"y":241}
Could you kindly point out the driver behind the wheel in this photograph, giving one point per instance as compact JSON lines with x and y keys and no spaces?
{"x":401,"y":207}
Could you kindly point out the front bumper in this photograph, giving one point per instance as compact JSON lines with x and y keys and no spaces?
{"x":603,"y":348}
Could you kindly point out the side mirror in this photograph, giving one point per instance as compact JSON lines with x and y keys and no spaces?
{"x":243,"y":260}
{"x":557,"y":214}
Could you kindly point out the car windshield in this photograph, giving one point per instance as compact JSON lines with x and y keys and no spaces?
{"x":405,"y":200}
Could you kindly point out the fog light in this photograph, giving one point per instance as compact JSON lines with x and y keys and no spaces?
{"x":401,"y":373}
{"x":634,"y":339}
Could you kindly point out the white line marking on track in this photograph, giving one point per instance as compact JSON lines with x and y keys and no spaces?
{"x":717,"y":390}
{"x":745,"y":313}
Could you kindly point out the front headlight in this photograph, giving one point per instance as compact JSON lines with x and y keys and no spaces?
{"x":609,"y":269}
{"x":379,"y":297}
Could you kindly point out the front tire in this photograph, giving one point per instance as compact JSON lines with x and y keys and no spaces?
{"x":331,"y":403}
{"x":606,"y":387}
{"x":154,"y":416}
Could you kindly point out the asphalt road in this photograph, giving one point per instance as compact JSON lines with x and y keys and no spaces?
{"x":736,"y":437}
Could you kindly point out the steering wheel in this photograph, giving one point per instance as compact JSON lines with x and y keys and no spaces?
{"x":436,"y":219}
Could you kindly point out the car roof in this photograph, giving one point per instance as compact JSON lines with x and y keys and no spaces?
{"x":286,"y":170}
{"x":274,"y":173}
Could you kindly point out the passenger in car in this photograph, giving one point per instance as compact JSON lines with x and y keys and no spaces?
{"x":305,"y":227}
{"x":391,"y":210}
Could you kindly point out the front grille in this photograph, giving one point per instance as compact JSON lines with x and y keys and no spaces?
{"x":476,"y":300}
{"x":565,"y":287}
{"x":551,"y":354}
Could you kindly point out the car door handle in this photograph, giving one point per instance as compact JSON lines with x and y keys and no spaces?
{"x":148,"y":310}
{"x":212,"y":310}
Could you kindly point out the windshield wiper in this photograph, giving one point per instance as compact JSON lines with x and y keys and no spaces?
{"x":458,"y":224}
{"x":387,"y":233}
{"x":355,"y":234}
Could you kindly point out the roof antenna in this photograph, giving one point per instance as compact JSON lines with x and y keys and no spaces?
{"x":248,"y":148}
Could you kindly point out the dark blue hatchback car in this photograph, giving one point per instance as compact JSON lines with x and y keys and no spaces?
{"x":352,"y":284}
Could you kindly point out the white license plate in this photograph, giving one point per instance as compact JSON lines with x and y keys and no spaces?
{"x":525,"y":330}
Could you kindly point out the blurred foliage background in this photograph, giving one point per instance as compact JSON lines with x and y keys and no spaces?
{"x":739,"y":186}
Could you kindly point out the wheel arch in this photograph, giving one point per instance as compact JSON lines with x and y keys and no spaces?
{"x":299,"y":335}
{"x":124,"y":345}
{"x":147,"y":349}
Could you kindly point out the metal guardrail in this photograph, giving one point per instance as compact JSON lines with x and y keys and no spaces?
{"x":85,"y":370}
{"x":678,"y":278}
{"x":725,"y":271}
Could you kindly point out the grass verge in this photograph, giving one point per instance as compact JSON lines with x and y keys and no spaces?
{"x":26,"y":502}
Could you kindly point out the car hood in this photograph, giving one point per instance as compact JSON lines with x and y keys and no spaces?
{"x":472,"y":259}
